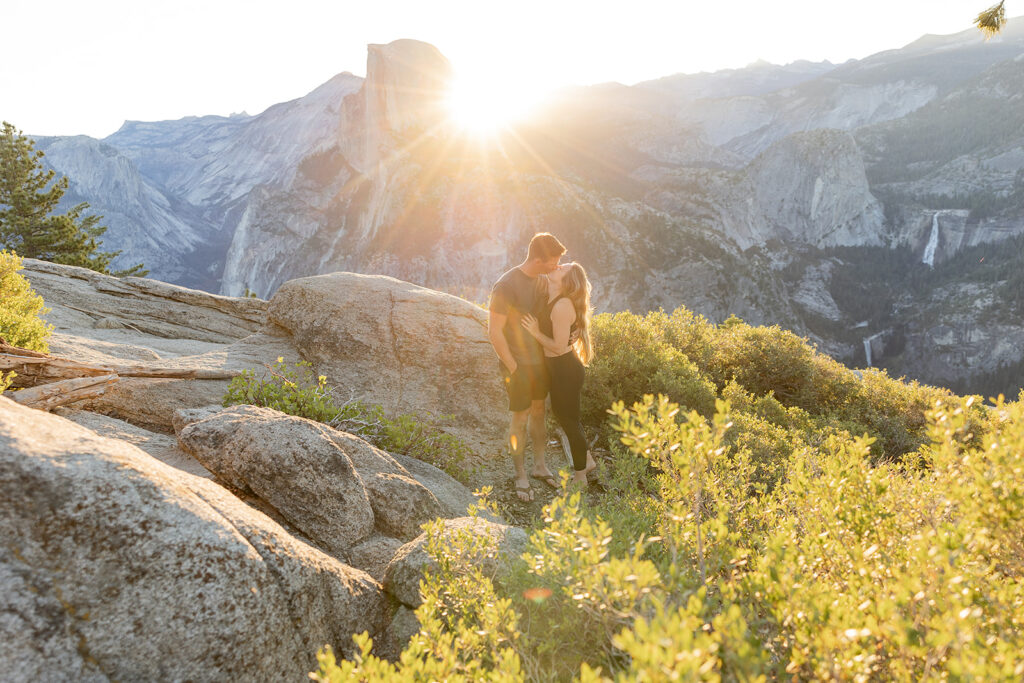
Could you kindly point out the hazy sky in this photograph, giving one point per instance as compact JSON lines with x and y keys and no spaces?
{"x":70,"y":67}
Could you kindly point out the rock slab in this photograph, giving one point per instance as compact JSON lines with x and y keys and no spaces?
{"x":116,"y":566}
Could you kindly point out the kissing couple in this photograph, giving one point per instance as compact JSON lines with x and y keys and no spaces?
{"x":539,"y":325}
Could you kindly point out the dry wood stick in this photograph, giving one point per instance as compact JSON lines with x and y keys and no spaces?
{"x":49,"y":396}
{"x":34,"y":368}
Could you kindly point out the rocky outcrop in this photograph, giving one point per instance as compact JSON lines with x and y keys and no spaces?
{"x":407,"y":348}
{"x":116,"y":566}
{"x":80,"y":298}
{"x":291,"y":464}
{"x":333,"y":486}
{"x":404,"y":573}
{"x":407,"y":82}
{"x":809,"y":188}
{"x":953,"y":335}
{"x":161,"y":446}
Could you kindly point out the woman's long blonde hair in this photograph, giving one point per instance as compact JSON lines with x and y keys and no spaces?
{"x":576,"y":287}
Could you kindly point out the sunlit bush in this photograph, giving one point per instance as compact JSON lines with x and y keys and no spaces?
{"x":467,"y":631}
{"x":20,"y":308}
{"x":688,"y":567}
{"x":768,"y":372}
{"x":636,"y":357}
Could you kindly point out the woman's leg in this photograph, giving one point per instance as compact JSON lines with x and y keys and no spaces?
{"x":566,"y":384}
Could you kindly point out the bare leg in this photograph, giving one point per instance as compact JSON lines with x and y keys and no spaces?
{"x":539,"y":436}
{"x":517,"y":444}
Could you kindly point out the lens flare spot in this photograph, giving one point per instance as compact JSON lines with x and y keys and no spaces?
{"x":537,"y":594}
{"x":513,"y":441}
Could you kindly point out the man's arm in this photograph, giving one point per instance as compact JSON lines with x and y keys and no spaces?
{"x":495,"y":325}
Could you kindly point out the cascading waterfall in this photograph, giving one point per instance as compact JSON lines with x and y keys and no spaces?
{"x":867,"y":347}
{"x":933,"y":242}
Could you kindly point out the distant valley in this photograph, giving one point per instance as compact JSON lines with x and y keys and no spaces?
{"x":875,"y":206}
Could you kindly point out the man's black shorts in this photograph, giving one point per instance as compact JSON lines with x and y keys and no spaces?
{"x":527,"y":384}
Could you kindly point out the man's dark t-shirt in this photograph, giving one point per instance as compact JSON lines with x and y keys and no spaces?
{"x":516,"y":294}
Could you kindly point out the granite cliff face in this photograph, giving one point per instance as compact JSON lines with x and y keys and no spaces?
{"x":717,"y":191}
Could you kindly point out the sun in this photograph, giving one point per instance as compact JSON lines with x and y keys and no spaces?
{"x":484,"y":104}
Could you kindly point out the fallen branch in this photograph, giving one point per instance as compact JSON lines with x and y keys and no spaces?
{"x":34,"y":368}
{"x":6,"y":349}
{"x":49,"y":396}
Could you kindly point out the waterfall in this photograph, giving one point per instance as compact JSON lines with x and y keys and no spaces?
{"x":933,"y":242}
{"x":867,"y":347}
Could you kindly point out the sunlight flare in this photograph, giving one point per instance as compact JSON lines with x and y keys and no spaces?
{"x":483,"y":103}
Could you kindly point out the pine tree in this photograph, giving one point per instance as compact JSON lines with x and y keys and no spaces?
{"x":28,"y":200}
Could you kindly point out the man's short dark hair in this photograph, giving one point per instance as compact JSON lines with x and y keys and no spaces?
{"x":543,"y":246}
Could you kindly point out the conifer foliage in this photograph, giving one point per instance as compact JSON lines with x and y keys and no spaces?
{"x":992,"y":20}
{"x":29,"y":224}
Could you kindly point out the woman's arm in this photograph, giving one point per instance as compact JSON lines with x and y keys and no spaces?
{"x":562,"y":317}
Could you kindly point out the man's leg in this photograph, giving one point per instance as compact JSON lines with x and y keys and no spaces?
{"x":517,"y":445}
{"x":539,"y":436}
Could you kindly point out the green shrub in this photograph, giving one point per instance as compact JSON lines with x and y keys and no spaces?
{"x":290,"y":390}
{"x":20,"y":308}
{"x":769,"y":360}
{"x":846,"y":570}
{"x":635,"y":357}
{"x":467,"y":631}
{"x":295,"y":391}
{"x":765,"y":372}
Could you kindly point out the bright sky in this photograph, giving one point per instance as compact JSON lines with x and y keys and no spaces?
{"x":70,"y":67}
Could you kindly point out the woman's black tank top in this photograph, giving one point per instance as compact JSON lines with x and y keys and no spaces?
{"x":544,"y":321}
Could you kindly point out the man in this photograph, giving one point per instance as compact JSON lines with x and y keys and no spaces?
{"x":519,"y":292}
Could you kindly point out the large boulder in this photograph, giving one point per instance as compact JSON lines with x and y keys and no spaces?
{"x":289,"y":462}
{"x":407,"y":348}
{"x":117,"y":566}
{"x":332,"y":485}
{"x":102,"y":319}
{"x":411,"y":562}
{"x":401,"y":503}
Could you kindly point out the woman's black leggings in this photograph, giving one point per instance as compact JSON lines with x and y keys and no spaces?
{"x":566,"y":374}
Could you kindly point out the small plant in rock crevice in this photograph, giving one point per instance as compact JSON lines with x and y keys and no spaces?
{"x":295,"y":390}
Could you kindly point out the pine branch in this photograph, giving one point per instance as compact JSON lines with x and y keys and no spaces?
{"x":992,"y":20}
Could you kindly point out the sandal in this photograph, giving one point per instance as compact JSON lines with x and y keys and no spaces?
{"x":524,"y":490}
{"x":548,"y":479}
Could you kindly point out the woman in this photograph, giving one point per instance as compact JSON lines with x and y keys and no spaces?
{"x":568,"y":310}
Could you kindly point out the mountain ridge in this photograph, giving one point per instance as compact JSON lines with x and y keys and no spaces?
{"x":363,"y":175}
